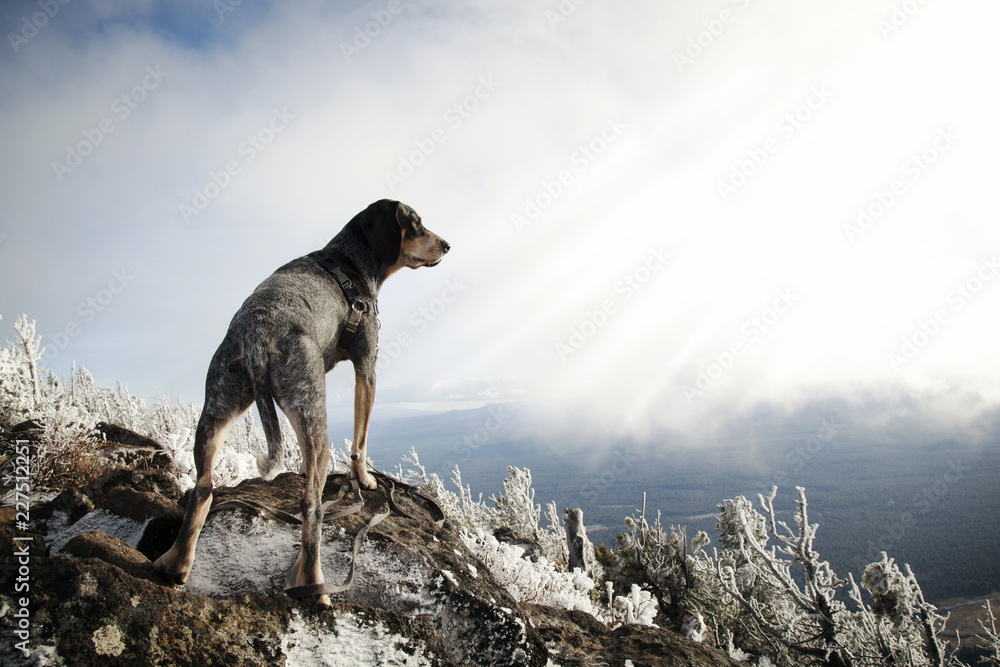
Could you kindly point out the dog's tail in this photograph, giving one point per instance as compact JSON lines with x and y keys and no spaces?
{"x":260,"y":381}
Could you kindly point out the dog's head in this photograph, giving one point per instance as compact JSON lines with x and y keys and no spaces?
{"x":399,"y":237}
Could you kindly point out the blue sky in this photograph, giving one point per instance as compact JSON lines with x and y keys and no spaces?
{"x":656,"y":209}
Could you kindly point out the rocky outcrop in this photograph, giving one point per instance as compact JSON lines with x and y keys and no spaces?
{"x":419,"y":597}
{"x":125,"y":448}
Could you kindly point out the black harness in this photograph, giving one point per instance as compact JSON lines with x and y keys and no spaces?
{"x":359,"y":304}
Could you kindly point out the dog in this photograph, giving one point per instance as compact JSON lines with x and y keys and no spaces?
{"x":296,"y":326}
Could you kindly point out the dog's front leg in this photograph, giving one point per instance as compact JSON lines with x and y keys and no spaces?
{"x":364,"y":398}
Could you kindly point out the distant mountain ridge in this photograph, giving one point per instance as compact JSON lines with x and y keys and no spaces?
{"x":880,"y":475}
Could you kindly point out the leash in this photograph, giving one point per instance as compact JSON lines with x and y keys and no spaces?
{"x":360,"y":305}
{"x":346,"y":484}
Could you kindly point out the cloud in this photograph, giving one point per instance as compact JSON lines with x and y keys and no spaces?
{"x":556,"y":156}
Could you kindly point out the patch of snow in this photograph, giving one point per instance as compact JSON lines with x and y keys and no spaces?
{"x":127,"y":530}
{"x":472,"y":569}
{"x":451,"y":577}
{"x":353,"y":641}
{"x":240,"y":553}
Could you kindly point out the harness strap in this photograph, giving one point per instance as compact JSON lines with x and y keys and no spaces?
{"x":411,"y":491}
{"x":359,"y":304}
{"x":346,"y":484}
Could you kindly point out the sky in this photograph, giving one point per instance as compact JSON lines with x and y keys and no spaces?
{"x":657,"y":210}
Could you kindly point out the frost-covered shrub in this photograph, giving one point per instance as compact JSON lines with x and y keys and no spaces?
{"x":516,"y":509}
{"x":638,"y":607}
{"x":20,"y":386}
{"x":461,"y":510}
{"x":991,"y":636}
{"x":526,"y":580}
{"x":69,"y":412}
{"x":649,"y":556}
{"x":803,"y":622}
{"x":899,"y":627}
{"x":543,"y":580}
{"x":787,"y":598}
{"x":66,"y":454}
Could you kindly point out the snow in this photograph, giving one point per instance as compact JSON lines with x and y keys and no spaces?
{"x":354,"y":641}
{"x":240,"y":553}
{"x":127,"y":530}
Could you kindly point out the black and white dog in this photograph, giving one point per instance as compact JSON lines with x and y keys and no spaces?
{"x":281,"y":343}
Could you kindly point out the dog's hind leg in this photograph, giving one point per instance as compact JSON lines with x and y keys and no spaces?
{"x":303,"y":400}
{"x":175,"y":564}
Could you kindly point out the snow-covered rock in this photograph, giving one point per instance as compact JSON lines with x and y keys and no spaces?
{"x":421,"y":595}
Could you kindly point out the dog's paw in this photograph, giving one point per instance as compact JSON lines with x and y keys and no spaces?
{"x":365,"y":481}
{"x":171,"y":572}
{"x":360,"y":473}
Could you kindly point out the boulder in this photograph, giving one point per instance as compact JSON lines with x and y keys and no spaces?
{"x":127,"y":449}
{"x":419,"y":596}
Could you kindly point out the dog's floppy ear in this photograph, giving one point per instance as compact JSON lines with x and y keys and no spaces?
{"x":381,"y":227}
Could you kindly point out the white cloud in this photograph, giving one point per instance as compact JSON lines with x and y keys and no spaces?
{"x":654,"y":181}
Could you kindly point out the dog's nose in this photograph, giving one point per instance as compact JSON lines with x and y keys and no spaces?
{"x":445,"y":246}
